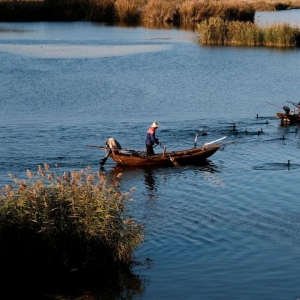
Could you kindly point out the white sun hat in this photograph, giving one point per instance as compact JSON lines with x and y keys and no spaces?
{"x":155,"y":124}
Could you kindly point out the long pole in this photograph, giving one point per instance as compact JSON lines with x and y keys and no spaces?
{"x":195,"y":143}
{"x":274,"y":104}
{"x":297,"y":105}
{"x":224,"y":137}
{"x":107,"y":148}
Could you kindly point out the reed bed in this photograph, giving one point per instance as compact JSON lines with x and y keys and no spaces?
{"x":197,"y":11}
{"x":129,"y":11}
{"x":162,"y":11}
{"x":216,"y":31}
{"x":273,"y":5}
{"x":101,"y":11}
{"x":74,"y":221}
{"x":134,"y":11}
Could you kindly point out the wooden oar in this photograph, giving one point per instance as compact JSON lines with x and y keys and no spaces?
{"x":103,"y":160}
{"x":172,"y":159}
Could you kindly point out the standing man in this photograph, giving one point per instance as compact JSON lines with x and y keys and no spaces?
{"x":151,"y":139}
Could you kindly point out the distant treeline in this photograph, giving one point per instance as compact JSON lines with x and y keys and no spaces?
{"x":134,"y":11}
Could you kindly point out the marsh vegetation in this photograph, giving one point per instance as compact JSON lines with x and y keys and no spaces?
{"x":219,"y":22}
{"x":76,"y":223}
{"x":175,"y":11}
{"x":217,"y":31}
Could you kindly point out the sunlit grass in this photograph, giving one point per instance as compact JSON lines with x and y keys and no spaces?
{"x":216,"y":31}
{"x":197,"y":11}
{"x":76,"y":220}
{"x":176,"y":11}
{"x":129,"y":11}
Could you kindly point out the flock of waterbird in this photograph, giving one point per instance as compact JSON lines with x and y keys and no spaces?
{"x":234,"y":131}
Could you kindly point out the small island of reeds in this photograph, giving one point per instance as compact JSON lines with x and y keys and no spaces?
{"x":217,"y":31}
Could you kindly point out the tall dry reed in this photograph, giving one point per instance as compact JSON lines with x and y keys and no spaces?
{"x":282,"y":35}
{"x":75,"y":220}
{"x":129,"y":11}
{"x":197,"y":11}
{"x":162,"y":11}
{"x":216,"y":31}
{"x":176,"y":11}
{"x":102,"y":11}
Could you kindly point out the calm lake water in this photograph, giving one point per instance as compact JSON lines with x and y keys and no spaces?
{"x":228,"y":230}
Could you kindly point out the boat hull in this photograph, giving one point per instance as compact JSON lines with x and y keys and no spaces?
{"x":281,"y":115}
{"x":288,"y":118}
{"x":295,"y":118}
{"x":193,"y":155}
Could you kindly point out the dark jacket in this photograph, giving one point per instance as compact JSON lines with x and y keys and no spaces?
{"x":150,"y":137}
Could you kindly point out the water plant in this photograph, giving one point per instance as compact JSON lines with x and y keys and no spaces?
{"x":129,"y":11}
{"x":197,"y":11}
{"x":74,"y":221}
{"x":172,"y":11}
{"x":217,"y":31}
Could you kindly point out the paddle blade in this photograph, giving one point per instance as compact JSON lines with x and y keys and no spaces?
{"x":176,"y":164}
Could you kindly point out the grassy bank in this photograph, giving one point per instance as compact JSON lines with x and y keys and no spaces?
{"x":216,"y":31}
{"x":52,"y":223}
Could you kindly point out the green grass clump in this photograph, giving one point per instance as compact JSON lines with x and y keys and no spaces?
{"x":282,"y":35}
{"x":217,"y":31}
{"x":74,"y":221}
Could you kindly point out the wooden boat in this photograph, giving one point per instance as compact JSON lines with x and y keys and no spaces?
{"x":289,"y":118}
{"x":281,"y":115}
{"x":192,"y":155}
{"x":129,"y":157}
{"x":293,"y":118}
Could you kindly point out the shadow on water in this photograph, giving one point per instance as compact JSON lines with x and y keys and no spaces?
{"x":150,"y":172}
{"x":206,"y":165}
{"x":159,"y":25}
{"x":277,"y":166}
{"x":115,"y":283}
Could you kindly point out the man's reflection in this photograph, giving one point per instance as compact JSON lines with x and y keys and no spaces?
{"x":150,"y":183}
{"x":118,"y":171}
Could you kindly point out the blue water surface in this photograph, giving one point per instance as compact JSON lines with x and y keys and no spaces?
{"x":228,"y":230}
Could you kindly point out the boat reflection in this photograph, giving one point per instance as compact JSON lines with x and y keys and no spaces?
{"x":152,"y":174}
{"x":125,"y":173}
